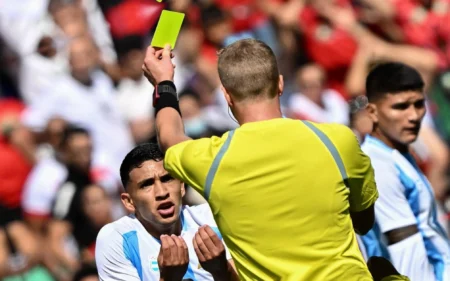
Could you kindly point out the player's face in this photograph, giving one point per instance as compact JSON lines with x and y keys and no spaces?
{"x":79,"y":151}
{"x":155,"y":194}
{"x":398,"y":116}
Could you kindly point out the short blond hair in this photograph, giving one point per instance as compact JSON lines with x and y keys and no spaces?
{"x":248,"y":70}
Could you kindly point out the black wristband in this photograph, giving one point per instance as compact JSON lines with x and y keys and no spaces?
{"x":162,"y":99}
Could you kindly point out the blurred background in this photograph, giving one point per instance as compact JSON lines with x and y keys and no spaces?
{"x":73,"y":100}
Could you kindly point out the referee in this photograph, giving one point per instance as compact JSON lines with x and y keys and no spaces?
{"x":286,"y":194}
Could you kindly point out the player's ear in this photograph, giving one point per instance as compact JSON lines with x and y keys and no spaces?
{"x":280,"y":85}
{"x":373,"y":112}
{"x":227,"y":95}
{"x":127,"y":202}
{"x":183,"y":190}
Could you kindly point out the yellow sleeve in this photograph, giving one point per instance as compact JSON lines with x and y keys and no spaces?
{"x":190,"y":161}
{"x":360,"y":174}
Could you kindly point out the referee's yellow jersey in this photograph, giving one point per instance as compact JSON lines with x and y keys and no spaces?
{"x":281,"y":191}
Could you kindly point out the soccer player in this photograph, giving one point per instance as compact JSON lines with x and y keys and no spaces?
{"x":161,"y":240}
{"x":406,"y":208}
{"x":283,"y":192}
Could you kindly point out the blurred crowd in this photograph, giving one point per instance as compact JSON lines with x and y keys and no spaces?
{"x":74,"y":101}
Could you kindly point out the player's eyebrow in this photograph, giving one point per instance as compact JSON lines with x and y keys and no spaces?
{"x":146,"y":182}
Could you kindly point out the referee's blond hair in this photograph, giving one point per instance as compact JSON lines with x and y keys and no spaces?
{"x":248,"y":70}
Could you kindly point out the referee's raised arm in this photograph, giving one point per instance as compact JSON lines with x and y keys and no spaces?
{"x":159,"y":70}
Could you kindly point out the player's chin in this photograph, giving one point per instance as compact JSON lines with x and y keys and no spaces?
{"x":410,"y":137}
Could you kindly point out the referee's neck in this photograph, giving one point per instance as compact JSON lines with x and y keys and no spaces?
{"x":252,"y":111}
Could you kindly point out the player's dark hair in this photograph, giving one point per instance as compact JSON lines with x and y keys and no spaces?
{"x":211,"y":15}
{"x":190,"y":92}
{"x":70,"y":131}
{"x":137,"y":156}
{"x":392,"y":78}
{"x":127,"y":44}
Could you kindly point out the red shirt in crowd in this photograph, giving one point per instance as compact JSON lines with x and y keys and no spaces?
{"x":426,"y":28}
{"x":331,"y":47}
{"x":133,"y":17}
{"x":14,"y":167}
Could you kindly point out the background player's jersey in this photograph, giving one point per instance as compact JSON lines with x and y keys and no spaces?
{"x":126,"y":251}
{"x":406,"y":198}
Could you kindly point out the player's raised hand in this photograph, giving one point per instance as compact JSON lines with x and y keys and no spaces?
{"x":210,"y":252}
{"x":158,"y":65}
{"x":173,"y":258}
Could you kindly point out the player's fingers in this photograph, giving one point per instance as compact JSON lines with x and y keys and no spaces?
{"x":185,"y":249}
{"x":165,"y":247}
{"x":206,"y":239}
{"x":202,"y":247}
{"x":149,"y":55}
{"x":213,"y":236}
{"x":167,"y":51}
{"x":199,"y":253}
{"x":180,"y":249}
{"x":158,"y":54}
{"x":173,"y":249}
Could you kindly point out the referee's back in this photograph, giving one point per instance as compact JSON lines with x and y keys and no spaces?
{"x":281,"y":191}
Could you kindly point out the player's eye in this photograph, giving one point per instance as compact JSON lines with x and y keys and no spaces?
{"x":400,"y":106}
{"x":166,"y":178}
{"x":147,"y":183}
{"x":419,"y":104}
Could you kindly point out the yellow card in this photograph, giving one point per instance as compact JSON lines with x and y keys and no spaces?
{"x":168,"y":28}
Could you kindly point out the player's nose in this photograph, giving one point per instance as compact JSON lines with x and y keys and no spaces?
{"x":161,"y":192}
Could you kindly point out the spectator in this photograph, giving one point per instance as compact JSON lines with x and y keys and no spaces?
{"x":85,"y":98}
{"x":134,"y":92}
{"x":315,"y":102}
{"x":195,"y":124}
{"x":74,"y":203}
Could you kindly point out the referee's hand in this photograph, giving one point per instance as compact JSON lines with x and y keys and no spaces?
{"x":158,"y":65}
{"x":211,"y":252}
{"x":173,"y":258}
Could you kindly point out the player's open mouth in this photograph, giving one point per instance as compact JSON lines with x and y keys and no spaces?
{"x":166,"y":209}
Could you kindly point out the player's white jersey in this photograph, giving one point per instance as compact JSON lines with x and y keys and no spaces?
{"x":126,"y":251}
{"x":406,"y":198}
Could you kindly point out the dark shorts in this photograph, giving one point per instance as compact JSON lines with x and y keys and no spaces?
{"x":8,"y":215}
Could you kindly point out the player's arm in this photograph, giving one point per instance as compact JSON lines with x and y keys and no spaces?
{"x":363,"y":221}
{"x":360,"y":181}
{"x":110,"y":258}
{"x":58,"y":231}
{"x":159,"y":69}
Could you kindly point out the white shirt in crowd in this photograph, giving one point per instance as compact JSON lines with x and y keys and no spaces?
{"x":335,"y":110}
{"x":48,"y":175}
{"x":406,"y":198}
{"x":126,"y":251}
{"x":93,"y":108}
{"x":135,"y":99}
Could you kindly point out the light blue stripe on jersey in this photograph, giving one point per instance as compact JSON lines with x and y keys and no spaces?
{"x":373,"y":244}
{"x":216,"y":230}
{"x":331,"y":148}
{"x":412,"y":195}
{"x":131,"y":250}
{"x":215,"y":165}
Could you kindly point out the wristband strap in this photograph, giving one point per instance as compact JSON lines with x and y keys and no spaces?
{"x":165,"y":95}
